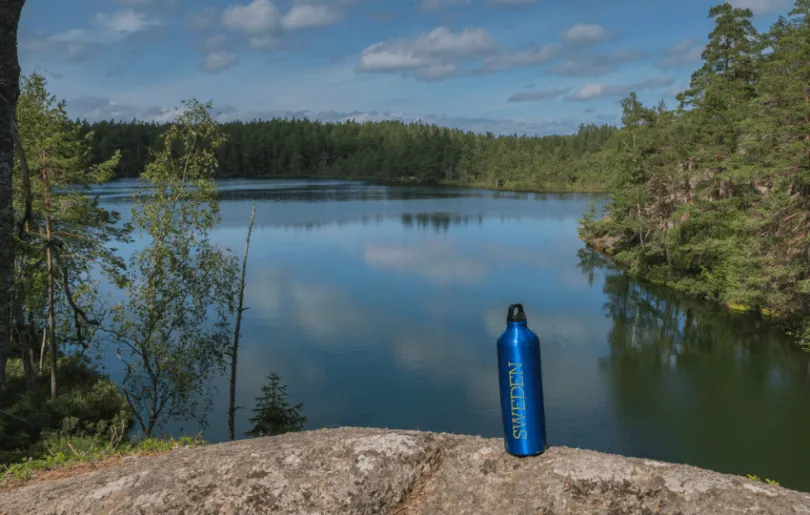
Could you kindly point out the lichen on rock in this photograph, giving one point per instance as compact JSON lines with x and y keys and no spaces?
{"x":375,"y":471}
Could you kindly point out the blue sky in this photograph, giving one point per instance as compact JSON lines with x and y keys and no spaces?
{"x":525,"y":66}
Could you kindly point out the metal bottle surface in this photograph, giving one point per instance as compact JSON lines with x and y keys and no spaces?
{"x":521,"y":386}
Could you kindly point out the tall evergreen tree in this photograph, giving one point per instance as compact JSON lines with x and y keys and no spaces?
{"x":65,"y":232}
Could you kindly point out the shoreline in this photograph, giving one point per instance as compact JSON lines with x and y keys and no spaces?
{"x":404,"y":181}
{"x":778,"y":321}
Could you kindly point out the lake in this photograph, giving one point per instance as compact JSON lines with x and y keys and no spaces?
{"x":380,"y":306}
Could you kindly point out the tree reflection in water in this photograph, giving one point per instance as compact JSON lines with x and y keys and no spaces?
{"x":693,"y":383}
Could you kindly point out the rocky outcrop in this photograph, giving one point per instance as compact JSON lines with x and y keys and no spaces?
{"x":376,"y":471}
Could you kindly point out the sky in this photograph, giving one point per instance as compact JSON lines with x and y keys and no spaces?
{"x":506,"y":66}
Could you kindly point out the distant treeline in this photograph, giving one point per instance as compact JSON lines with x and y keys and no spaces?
{"x":385,"y":151}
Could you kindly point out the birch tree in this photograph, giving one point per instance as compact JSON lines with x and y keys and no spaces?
{"x":173,"y":329}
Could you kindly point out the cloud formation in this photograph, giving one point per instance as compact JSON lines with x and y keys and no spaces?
{"x":307,"y":16}
{"x":99,"y":108}
{"x":761,"y":7}
{"x":108,"y":28}
{"x":538,"y":95}
{"x":583,"y":34}
{"x":424,"y":58}
{"x":264,"y":25}
{"x":218,"y":61}
{"x":433,"y":55}
{"x":256,"y":19}
{"x":594,"y":91}
{"x":79,"y":44}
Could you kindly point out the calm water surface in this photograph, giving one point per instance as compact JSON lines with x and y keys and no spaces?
{"x":380,"y":306}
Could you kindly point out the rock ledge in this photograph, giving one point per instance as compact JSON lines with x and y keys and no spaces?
{"x":376,"y":471}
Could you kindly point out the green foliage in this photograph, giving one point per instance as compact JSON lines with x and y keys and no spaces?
{"x":713,"y":198}
{"x":89,"y":405}
{"x":64,"y":451}
{"x":64,"y":235}
{"x":273,"y":415}
{"x":754,"y":477}
{"x":386,"y":151}
{"x":172,"y":331}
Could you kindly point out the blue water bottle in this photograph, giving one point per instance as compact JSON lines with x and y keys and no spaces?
{"x":521,"y":385}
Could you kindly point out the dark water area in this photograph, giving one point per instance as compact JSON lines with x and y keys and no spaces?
{"x":380,"y":306}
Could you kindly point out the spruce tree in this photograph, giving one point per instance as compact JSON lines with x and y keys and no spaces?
{"x":273,"y":415}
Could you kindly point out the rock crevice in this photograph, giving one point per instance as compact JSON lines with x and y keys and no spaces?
{"x":377,"y":471}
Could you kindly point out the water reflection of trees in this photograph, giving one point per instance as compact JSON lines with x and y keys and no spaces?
{"x":693,"y":383}
{"x":339,"y":193}
{"x":439,"y":222}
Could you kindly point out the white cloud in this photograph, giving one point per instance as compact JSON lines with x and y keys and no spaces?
{"x":760,"y":7}
{"x":111,"y":28}
{"x":434,"y":55}
{"x":218,"y":61}
{"x":538,"y":94}
{"x":584,"y":34}
{"x":68,"y":49}
{"x":594,"y":91}
{"x":306,"y":16}
{"x":257,"y":18}
{"x":96,"y":108}
{"x":123,"y":23}
{"x":77,"y":44}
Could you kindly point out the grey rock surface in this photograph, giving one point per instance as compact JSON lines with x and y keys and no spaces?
{"x":376,"y":471}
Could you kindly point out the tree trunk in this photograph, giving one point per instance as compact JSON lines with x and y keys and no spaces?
{"x":42,"y":348}
{"x":51,"y":322}
{"x":235,"y":349}
{"x":24,"y":340}
{"x":51,"y":300}
{"x":10,"y":11}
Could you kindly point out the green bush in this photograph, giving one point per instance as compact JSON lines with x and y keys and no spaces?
{"x":88,"y":407}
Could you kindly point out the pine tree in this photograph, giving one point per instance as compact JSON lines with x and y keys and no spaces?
{"x":61,"y":225}
{"x":273,"y":415}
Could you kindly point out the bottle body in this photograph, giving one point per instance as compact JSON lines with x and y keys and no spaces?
{"x":521,"y":388}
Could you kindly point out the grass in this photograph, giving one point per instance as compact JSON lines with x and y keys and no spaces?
{"x":754,"y":477}
{"x":65,"y":454}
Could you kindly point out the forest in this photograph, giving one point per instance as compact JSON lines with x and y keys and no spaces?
{"x":382,"y":151}
{"x":712,"y":197}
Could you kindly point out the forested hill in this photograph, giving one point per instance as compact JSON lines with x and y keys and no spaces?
{"x":713,"y":198}
{"x":387,"y":150}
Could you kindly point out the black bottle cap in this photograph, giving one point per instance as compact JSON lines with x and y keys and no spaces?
{"x":516,"y":313}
